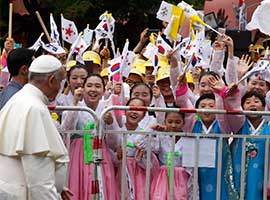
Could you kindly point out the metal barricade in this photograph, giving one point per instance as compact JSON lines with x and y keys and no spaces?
{"x":96,"y":189}
{"x":197,"y":137}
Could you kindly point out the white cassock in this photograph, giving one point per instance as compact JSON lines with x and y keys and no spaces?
{"x":33,"y":158}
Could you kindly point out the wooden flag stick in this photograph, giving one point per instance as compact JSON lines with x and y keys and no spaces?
{"x":10,"y":21}
{"x":43,"y":27}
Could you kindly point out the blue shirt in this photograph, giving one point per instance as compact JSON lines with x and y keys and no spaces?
{"x":12,"y":88}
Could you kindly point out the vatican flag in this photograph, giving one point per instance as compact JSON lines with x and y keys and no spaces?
{"x":191,"y":13}
{"x":174,"y":16}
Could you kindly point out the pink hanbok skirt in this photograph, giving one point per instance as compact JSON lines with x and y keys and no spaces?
{"x":160,"y":185}
{"x":80,"y":174}
{"x":137,"y":176}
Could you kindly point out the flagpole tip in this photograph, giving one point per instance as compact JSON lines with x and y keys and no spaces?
{"x":61,"y":15}
{"x":51,"y":14}
{"x":127,"y":40}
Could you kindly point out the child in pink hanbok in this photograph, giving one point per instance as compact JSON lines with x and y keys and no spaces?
{"x":136,"y":155}
{"x":80,"y":172}
{"x":183,"y":177}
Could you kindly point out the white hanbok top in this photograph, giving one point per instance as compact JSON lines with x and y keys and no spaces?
{"x":163,"y":148}
{"x":65,"y":100}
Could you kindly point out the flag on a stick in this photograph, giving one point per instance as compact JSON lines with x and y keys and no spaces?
{"x":54,"y":32}
{"x":69,"y":30}
{"x":38,"y":43}
{"x":174,"y":16}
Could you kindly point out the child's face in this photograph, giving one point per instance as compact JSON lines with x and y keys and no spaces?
{"x":165,"y":88}
{"x":77,"y":78}
{"x":93,"y":89}
{"x":257,"y":85}
{"x":207,"y":104}
{"x":143,"y":93}
{"x":253,"y":103}
{"x":133,"y":79}
{"x":204,"y":86}
{"x":174,"y":122}
{"x":134,"y":116}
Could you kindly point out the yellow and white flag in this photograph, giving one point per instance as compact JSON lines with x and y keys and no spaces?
{"x":191,"y":13}
{"x":174,"y":16}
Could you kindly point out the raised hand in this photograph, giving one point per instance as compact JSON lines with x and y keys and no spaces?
{"x":159,"y":127}
{"x":78,"y":95}
{"x":105,"y":53}
{"x":156,"y":91}
{"x":108,"y":119}
{"x":9,"y":44}
{"x":221,"y":18}
{"x":216,"y":83}
{"x":231,"y":89}
{"x":182,"y":80}
{"x":243,"y":65}
{"x":144,"y":37}
{"x":229,"y":42}
{"x":172,"y":58}
{"x":196,"y":74}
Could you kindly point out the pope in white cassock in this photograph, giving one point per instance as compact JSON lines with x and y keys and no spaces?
{"x":33,"y":158}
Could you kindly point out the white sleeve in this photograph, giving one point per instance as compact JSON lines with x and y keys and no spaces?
{"x":159,"y":102}
{"x":217,"y":62}
{"x":40,"y":177}
{"x":113,"y":140}
{"x":174,"y":73}
{"x":69,"y":120}
{"x":231,"y":71}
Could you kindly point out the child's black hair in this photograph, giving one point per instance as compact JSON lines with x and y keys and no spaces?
{"x":251,"y":94}
{"x":141,"y":84}
{"x":204,"y":96}
{"x":208,"y":73}
{"x":95,"y":75}
{"x":77,"y":66}
{"x":134,"y":98}
{"x":180,"y":113}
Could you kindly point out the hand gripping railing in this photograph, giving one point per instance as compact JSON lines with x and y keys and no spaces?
{"x":96,"y":190}
{"x":197,"y":137}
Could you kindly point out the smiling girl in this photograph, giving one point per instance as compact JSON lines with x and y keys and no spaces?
{"x":75,"y":79}
{"x":136,"y":154}
{"x":80,"y":175}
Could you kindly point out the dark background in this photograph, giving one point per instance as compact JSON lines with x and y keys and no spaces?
{"x":132,"y":16}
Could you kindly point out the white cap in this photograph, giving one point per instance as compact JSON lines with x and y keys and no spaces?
{"x":45,"y":64}
{"x":53,"y":48}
